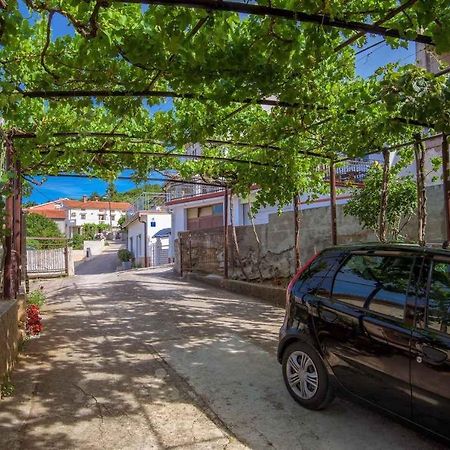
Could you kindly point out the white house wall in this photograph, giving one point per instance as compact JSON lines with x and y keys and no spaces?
{"x":136,"y":233}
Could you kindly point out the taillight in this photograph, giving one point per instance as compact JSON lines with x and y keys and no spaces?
{"x":297,"y":276}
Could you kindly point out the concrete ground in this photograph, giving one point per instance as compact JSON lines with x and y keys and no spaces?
{"x":107,"y":262}
{"x":142,"y":360}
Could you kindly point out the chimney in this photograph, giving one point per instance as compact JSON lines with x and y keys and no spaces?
{"x":96,"y":198}
{"x":84,"y":198}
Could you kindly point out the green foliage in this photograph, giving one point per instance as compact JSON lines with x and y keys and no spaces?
{"x":77,"y":242}
{"x":124,"y":255}
{"x":230,"y":58}
{"x":402,"y":201}
{"x":90,"y":230}
{"x":42,"y":227}
{"x":36,"y":297}
{"x":122,"y":221}
{"x":7,"y":388}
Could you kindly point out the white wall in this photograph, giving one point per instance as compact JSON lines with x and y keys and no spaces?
{"x":136,"y":233}
{"x":79,"y":217}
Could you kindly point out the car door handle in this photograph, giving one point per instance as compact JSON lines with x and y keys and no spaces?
{"x":328,"y":316}
{"x":433,"y":355}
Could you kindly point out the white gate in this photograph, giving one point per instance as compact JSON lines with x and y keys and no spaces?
{"x":47,"y":262}
{"x":159,"y":252}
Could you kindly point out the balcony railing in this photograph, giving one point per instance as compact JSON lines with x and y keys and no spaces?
{"x":354,"y":171}
{"x":182,"y":190}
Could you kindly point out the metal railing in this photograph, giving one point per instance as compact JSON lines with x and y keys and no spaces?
{"x":182,"y":190}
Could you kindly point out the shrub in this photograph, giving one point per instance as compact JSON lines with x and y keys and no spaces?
{"x":125,"y":255}
{"x":36,"y":298}
{"x":77,"y":242}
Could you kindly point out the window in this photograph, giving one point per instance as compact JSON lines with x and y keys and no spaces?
{"x":380,"y":281}
{"x":317,"y":277}
{"x":113,"y":217}
{"x":73,"y":214}
{"x":217,"y":210}
{"x":438,"y":316}
{"x":83,"y":216}
{"x":101,"y":217}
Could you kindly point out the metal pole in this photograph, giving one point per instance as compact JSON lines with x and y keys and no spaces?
{"x":384,"y":197}
{"x":446,"y":185}
{"x":110,"y":218}
{"x":297,"y":231}
{"x":333,"y":203}
{"x":225,"y":234}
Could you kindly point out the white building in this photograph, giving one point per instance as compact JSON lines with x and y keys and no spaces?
{"x":147,"y":237}
{"x":52,"y":210}
{"x":79,"y":213}
{"x":70,"y":215}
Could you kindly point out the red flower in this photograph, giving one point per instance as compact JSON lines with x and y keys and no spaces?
{"x":34,"y":325}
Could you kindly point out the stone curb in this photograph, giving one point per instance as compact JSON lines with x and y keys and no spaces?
{"x":273,"y":295}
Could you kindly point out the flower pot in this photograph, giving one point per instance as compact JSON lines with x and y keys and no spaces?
{"x":126,"y":265}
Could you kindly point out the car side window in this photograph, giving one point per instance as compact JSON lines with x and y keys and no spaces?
{"x":438,"y":314}
{"x":377,"y":282}
{"x":313,"y":278}
{"x":393,"y":276}
{"x":353,"y":282}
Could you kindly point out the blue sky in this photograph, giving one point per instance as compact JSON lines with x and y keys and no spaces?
{"x":56,"y":187}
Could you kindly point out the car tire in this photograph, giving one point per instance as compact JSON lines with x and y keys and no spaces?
{"x":306,"y":377}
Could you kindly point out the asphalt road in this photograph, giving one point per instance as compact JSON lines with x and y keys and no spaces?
{"x":142,"y":359}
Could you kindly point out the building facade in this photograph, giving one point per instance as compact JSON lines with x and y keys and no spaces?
{"x":72,"y":215}
{"x":143,"y":242}
{"x":79,"y":213}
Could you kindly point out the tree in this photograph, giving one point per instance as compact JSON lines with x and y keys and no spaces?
{"x":365,"y":203}
{"x":40,"y":226}
{"x":111,"y":191}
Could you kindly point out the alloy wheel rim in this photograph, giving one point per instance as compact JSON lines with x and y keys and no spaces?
{"x":302,"y":375}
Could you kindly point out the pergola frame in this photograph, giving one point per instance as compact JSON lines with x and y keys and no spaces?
{"x":14,"y":247}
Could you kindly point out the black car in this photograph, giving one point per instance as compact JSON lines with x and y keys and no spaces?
{"x":372,"y":320}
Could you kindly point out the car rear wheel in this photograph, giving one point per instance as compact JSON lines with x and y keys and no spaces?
{"x":306,"y":377}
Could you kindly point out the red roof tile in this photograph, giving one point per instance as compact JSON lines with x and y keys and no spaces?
{"x":95,"y":204}
{"x":49,"y":213}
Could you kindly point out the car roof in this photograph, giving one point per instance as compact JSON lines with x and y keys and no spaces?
{"x":373,"y":246}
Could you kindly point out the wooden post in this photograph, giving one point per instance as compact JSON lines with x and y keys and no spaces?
{"x":297,"y":206}
{"x":419,"y":152}
{"x":446,"y":180}
{"x":66,"y":259}
{"x":8,"y":271}
{"x":333,"y":203}
{"x":384,"y":197}
{"x":17,"y":227}
{"x":225,"y":234}
{"x":180,"y":253}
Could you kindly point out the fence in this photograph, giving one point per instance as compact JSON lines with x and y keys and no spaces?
{"x":201,"y":251}
{"x":51,"y":261}
{"x":271,"y":256}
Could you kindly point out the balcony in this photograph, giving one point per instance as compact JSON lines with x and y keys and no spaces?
{"x":187,"y":190}
{"x":353,"y":172}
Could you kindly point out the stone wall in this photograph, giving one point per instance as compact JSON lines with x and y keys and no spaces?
{"x":12,"y":317}
{"x":273,"y":258}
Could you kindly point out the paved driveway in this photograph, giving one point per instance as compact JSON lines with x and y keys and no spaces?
{"x":141,"y":359}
